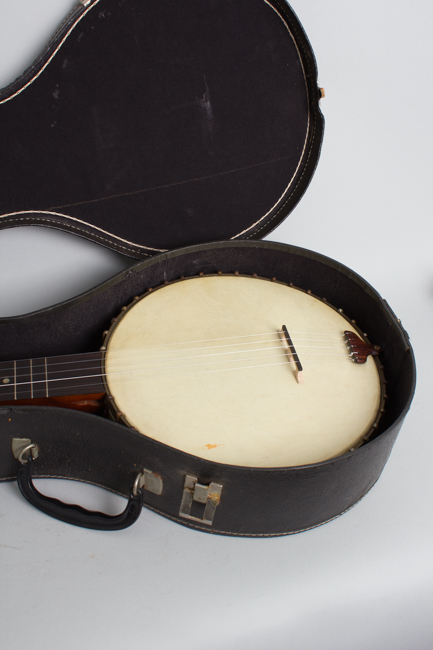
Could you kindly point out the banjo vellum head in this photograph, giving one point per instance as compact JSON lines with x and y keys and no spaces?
{"x":199,"y":365}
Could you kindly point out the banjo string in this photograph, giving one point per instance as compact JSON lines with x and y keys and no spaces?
{"x":41,"y":372}
{"x":127,"y":353}
{"x":126,"y":359}
{"x":181,"y":367}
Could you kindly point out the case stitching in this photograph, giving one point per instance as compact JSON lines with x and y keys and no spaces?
{"x":202,"y":528}
{"x":72,"y":227}
{"x":291,"y":193}
{"x":308,"y":64}
{"x":18,"y":92}
{"x":280,"y":13}
{"x":224,"y":532}
{"x":289,"y":29}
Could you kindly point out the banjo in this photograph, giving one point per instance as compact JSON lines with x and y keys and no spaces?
{"x":236,"y":369}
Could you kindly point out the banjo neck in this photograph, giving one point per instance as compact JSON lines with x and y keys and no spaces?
{"x":73,"y":381}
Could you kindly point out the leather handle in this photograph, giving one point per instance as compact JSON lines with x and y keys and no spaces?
{"x":75,"y":514}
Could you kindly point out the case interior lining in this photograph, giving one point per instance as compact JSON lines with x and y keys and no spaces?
{"x":164,"y":124}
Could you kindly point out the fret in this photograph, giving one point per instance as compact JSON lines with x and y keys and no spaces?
{"x":39,"y":384}
{"x":23,"y":383}
{"x":74,"y":374}
{"x":28,"y":379}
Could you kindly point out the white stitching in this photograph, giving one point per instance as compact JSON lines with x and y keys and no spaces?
{"x":70,"y":226}
{"x":202,"y":528}
{"x":7,"y":99}
{"x":300,"y":160}
{"x":291,"y":193}
{"x":282,"y":534}
{"x":67,"y":216}
{"x":306,"y":162}
{"x":303,"y":149}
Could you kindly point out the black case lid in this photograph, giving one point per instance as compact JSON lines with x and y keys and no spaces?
{"x":151,"y":125}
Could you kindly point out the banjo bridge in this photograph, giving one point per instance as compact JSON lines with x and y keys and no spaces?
{"x":359,"y":349}
{"x":292,"y":355}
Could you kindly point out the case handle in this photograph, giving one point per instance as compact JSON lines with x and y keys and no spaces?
{"x":75,"y":514}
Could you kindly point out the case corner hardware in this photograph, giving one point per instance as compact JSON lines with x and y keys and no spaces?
{"x":21,"y":447}
{"x":210,"y":495}
{"x":149,"y":481}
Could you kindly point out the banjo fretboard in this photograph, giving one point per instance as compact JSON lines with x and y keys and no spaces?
{"x":51,"y":377}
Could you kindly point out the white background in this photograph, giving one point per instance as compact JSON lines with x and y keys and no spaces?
{"x":361,"y":582}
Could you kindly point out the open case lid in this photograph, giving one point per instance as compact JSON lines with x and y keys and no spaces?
{"x":148,"y":125}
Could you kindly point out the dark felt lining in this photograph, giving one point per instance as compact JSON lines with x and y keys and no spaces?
{"x":166,"y":123}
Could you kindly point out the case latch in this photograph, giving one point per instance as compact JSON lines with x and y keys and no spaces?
{"x":195,"y":491}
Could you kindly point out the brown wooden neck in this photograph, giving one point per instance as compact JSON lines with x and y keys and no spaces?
{"x":74,"y":381}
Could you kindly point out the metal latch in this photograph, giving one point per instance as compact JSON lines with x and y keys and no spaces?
{"x":195,"y":491}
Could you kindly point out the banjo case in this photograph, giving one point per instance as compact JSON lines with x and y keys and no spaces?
{"x":178,"y":134}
